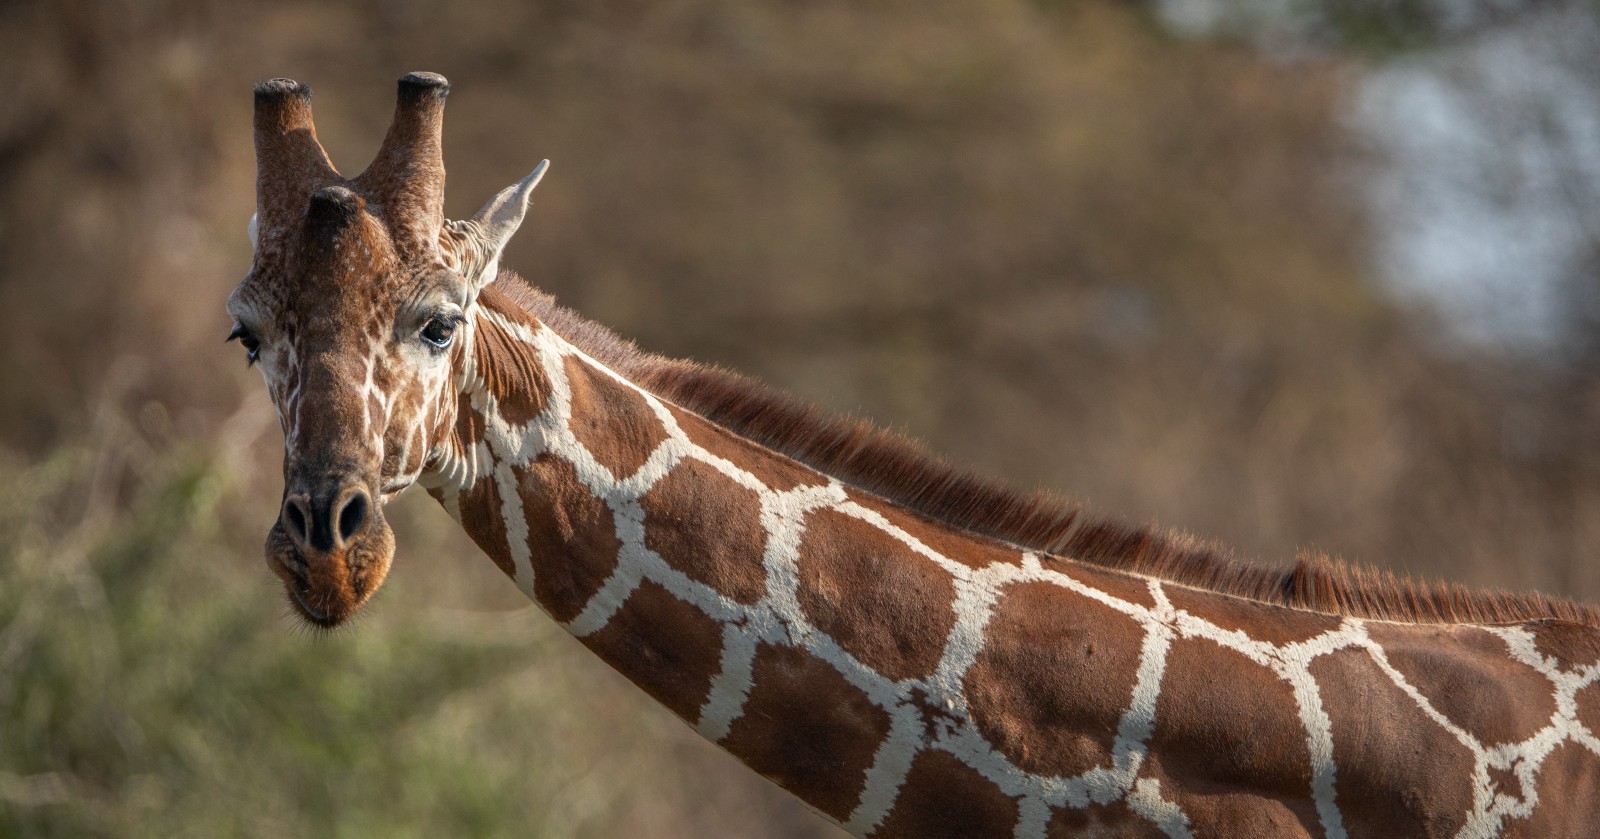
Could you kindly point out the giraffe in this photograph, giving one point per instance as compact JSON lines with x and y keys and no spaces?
{"x":911,"y":650}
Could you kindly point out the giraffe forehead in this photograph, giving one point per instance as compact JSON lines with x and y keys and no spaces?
{"x":341,"y":271}
{"x":339,"y":251}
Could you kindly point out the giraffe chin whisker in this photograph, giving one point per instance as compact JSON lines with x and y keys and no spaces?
{"x":314,"y":614}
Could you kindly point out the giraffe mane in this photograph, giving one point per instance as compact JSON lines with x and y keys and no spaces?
{"x":901,"y":470}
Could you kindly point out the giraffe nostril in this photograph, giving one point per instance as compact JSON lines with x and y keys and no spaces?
{"x":296,"y":519}
{"x":353,"y":518}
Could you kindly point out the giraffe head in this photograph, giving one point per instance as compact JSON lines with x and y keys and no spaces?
{"x":356,"y":309}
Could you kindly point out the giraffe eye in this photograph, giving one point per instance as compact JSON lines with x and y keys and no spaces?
{"x":252,"y":347}
{"x":439,"y":332}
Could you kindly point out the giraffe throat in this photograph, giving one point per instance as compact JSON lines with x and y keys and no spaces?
{"x":882,"y":665}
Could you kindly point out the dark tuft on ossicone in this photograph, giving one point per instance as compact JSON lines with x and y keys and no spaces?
{"x":420,"y":84}
{"x":281,"y":89}
{"x":332,"y":209}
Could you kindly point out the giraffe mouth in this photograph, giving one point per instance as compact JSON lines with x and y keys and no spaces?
{"x":327,"y":588}
{"x":310,"y":612}
{"x":393,"y":487}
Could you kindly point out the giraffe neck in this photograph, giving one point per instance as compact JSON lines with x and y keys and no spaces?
{"x":907,"y":679}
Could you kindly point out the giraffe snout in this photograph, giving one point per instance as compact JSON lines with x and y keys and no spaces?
{"x":332,"y":549}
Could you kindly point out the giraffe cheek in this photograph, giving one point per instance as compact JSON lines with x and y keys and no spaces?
{"x":416,"y":449}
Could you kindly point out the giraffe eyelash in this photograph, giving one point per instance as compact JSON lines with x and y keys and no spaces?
{"x":246,"y":339}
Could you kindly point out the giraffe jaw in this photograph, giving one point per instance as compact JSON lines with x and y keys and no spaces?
{"x":327,"y":588}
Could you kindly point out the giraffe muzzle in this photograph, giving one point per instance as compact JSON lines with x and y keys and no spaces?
{"x":331,"y":548}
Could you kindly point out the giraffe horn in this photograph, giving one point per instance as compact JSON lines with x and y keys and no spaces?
{"x":290,"y":163}
{"x":407,"y":177}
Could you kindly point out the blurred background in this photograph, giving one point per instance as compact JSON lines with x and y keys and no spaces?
{"x":1283,"y":273}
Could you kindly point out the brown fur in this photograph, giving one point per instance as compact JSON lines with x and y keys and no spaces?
{"x":900,"y":470}
{"x":1053,"y":709}
{"x":1465,"y":674}
{"x":1421,"y":789}
{"x":863,"y":588}
{"x":1228,"y":784}
{"x":808,"y":729}
{"x":945,"y":797}
{"x":676,"y":507}
{"x":571,"y":541}
{"x":669,"y":648}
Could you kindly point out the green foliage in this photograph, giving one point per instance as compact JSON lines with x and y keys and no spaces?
{"x":1383,"y":27}
{"x":147,"y":686}
{"x":151,"y":683}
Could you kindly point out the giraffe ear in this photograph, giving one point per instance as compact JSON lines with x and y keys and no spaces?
{"x":478,"y":242}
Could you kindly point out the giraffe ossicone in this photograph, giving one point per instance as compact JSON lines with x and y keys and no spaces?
{"x":912,"y":651}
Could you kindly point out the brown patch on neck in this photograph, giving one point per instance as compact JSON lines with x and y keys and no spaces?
{"x":1568,"y":791}
{"x":483,"y":518}
{"x":613,"y":422}
{"x":730,"y":560}
{"x":1122,"y":586}
{"x":1569,"y":644}
{"x":572,"y":537}
{"x":1400,"y":773}
{"x":775,"y":471}
{"x":1228,"y":746}
{"x":510,"y":370}
{"x":903,"y":472}
{"x":938,"y":537}
{"x":886,"y":605}
{"x":1588,"y":707}
{"x":808,"y":729}
{"x":1103,"y":821}
{"x":1468,"y":675}
{"x":665,"y":645}
{"x":469,"y":425}
{"x":1053,"y":708}
{"x":1274,"y":626}
{"x":944,"y":797}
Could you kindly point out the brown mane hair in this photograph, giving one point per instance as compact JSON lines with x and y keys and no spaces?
{"x":902,"y":471}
